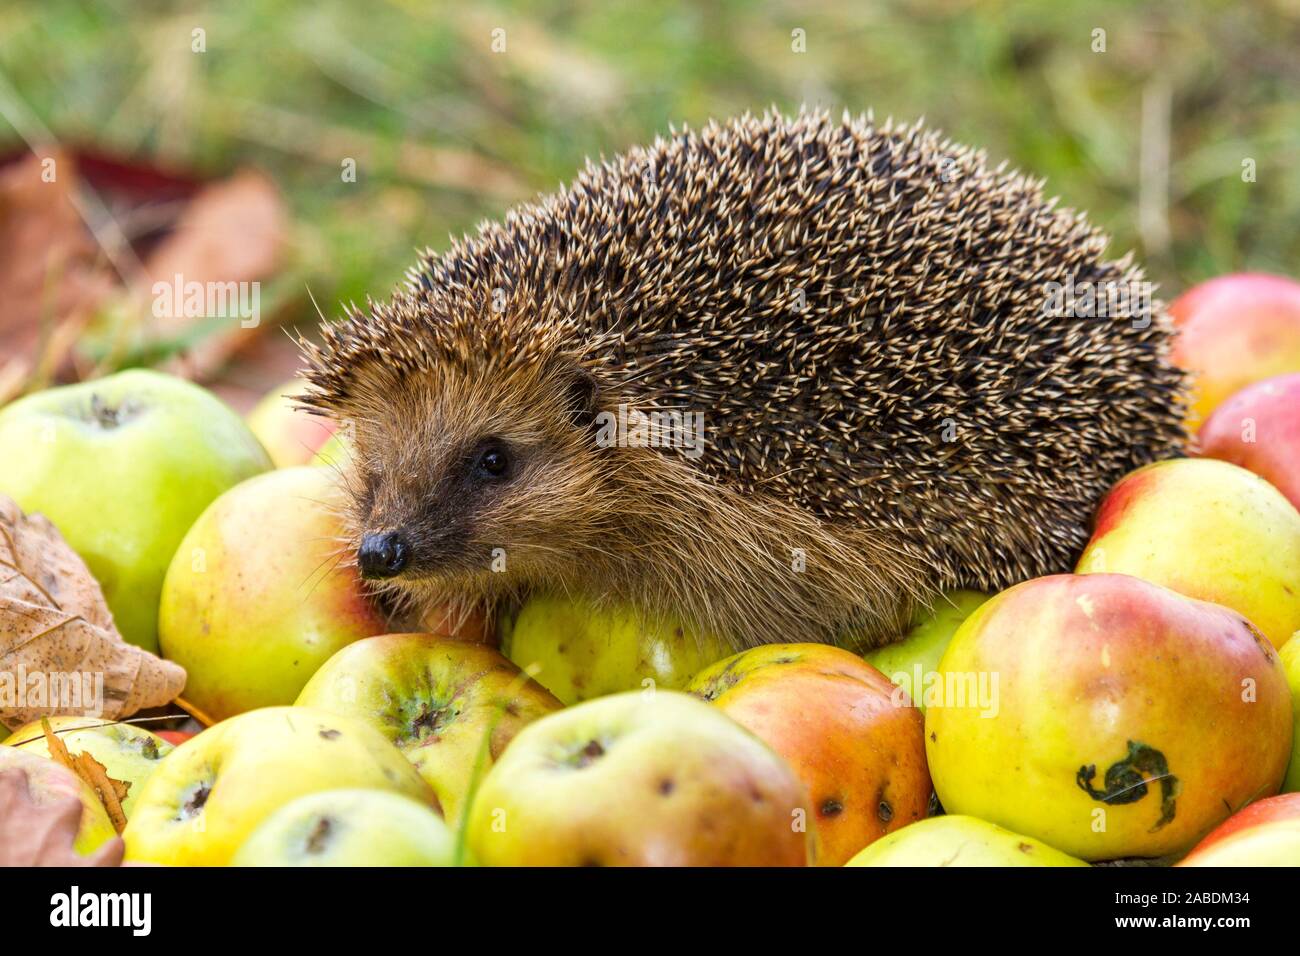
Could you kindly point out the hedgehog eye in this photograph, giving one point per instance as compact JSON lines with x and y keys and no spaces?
{"x":493,"y":463}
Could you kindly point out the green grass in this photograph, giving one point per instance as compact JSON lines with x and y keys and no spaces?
{"x":294,"y":88}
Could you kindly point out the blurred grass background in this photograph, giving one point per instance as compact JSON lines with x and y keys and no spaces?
{"x":1149,"y":135}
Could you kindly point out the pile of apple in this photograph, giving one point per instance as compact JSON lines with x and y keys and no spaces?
{"x":1141,"y":707}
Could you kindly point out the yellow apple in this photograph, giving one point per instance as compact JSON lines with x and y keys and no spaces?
{"x":1290,"y":655}
{"x":128,"y":752}
{"x":581,"y":650}
{"x":290,"y":435}
{"x":1107,"y":716}
{"x":438,"y":699}
{"x":210,"y":793}
{"x":643,"y":778}
{"x":1209,"y":530}
{"x":350,"y":828}
{"x":956,"y":840}
{"x":48,"y":782}
{"x":258,"y":595}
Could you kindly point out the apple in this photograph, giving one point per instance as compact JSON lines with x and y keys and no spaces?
{"x":1290,"y":655}
{"x":849,"y":734}
{"x":907,"y":661}
{"x":1258,"y":428}
{"x":177,"y":737}
{"x":1107,"y":716}
{"x":350,"y":827}
{"x":956,"y":840}
{"x":49,"y":782}
{"x":336,"y":452}
{"x":210,"y":793}
{"x":259,"y":596}
{"x":1266,"y":833}
{"x":1209,"y":530}
{"x":579,"y":650}
{"x":438,"y":699}
{"x":1235,"y":330}
{"x":643,"y":778}
{"x":290,"y":435}
{"x":123,"y":465}
{"x":128,"y":752}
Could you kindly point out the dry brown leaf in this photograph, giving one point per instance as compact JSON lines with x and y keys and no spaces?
{"x":56,"y":628}
{"x":110,"y":792}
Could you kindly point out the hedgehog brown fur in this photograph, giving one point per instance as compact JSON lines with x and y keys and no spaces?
{"x":858,"y":311}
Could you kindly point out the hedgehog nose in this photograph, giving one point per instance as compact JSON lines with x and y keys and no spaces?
{"x":383,"y":555}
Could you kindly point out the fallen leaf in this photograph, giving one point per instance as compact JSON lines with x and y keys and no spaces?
{"x":33,"y":834}
{"x":56,"y":630}
{"x":110,"y":792}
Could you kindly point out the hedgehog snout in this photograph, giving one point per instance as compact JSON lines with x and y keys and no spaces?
{"x":383,"y":555}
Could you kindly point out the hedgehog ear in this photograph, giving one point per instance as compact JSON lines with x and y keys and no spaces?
{"x":581,"y":397}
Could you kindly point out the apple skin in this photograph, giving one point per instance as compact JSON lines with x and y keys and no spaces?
{"x":213,"y":791}
{"x":1234,"y":330}
{"x":922,"y":647}
{"x":350,"y":827}
{"x":128,"y":752}
{"x":643,"y":778}
{"x":1273,"y":450}
{"x":956,"y":840}
{"x":581,"y":650}
{"x":1102,"y":679}
{"x":49,"y":782}
{"x":1290,"y":656}
{"x":123,"y":491}
{"x":1266,"y":833}
{"x":1209,"y":530}
{"x":289,"y":435}
{"x":257,"y":597}
{"x":436,"y":699}
{"x":835,"y":720}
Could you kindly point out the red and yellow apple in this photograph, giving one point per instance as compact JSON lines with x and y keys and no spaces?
{"x":643,"y":778}
{"x":1258,"y":428}
{"x":209,"y":794}
{"x":48,"y":783}
{"x":123,"y":465}
{"x":1266,"y":833}
{"x":1234,"y":330}
{"x":955,"y":840}
{"x":290,"y":435}
{"x":579,"y":650}
{"x":127,"y":752}
{"x":350,"y":828}
{"x":850,"y":736}
{"x":259,"y":594}
{"x":438,"y":699}
{"x":1209,"y":530}
{"x":1107,"y":716}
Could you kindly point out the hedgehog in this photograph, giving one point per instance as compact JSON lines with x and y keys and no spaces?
{"x":779,"y":379}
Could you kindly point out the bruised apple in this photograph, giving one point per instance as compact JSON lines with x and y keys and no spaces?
{"x":1209,"y":530}
{"x":845,"y":730}
{"x":579,"y":650}
{"x":258,"y":596}
{"x":1107,"y":716}
{"x":955,"y":840}
{"x":1266,"y":833}
{"x":1258,"y":428}
{"x":212,"y":792}
{"x":127,"y":752}
{"x":438,"y":699}
{"x":48,"y":782}
{"x":643,"y":778}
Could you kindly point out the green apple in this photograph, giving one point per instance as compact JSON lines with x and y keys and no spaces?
{"x":1209,"y":530}
{"x":643,"y":778}
{"x":123,"y":465}
{"x":438,"y":699}
{"x":960,"y":841}
{"x":908,"y":661}
{"x":48,"y":782}
{"x":212,"y":792}
{"x":290,"y":435}
{"x":128,"y":753}
{"x":579,"y":650}
{"x":258,"y":596}
{"x":1290,"y":655}
{"x":350,"y":828}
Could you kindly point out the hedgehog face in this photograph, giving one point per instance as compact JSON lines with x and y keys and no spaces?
{"x":485,"y":483}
